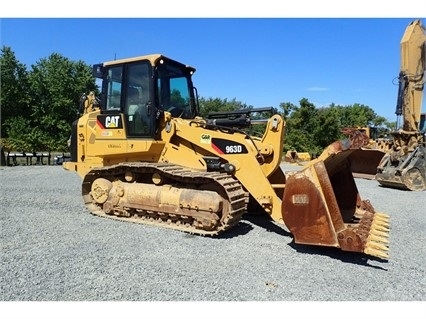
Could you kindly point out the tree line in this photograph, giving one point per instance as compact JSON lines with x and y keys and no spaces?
{"x":38,"y":106}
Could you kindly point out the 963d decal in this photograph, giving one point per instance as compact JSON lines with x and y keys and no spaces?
{"x":223,"y":146}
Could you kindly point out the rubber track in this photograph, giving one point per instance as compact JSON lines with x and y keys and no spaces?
{"x":236,"y":196}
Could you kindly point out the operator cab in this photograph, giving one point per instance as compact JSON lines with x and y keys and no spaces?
{"x":143,"y":88}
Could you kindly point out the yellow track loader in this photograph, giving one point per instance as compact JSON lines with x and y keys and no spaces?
{"x":146,"y":156}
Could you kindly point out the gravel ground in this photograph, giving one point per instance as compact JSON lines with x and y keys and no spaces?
{"x":52,"y":249}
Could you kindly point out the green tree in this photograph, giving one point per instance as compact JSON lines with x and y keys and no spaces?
{"x":328,"y":128}
{"x":14,"y":97}
{"x":356,"y":115}
{"x":18,"y":134}
{"x":217,"y":104}
{"x":309,"y":129}
{"x":56,"y":84}
{"x":302,"y":125}
{"x":39,"y":106}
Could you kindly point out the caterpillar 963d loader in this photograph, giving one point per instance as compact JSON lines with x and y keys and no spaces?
{"x":146,"y":156}
{"x":404,"y":165}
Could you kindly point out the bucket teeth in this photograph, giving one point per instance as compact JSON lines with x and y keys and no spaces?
{"x":381,"y":220}
{"x":379,"y":239}
{"x":377,"y":243}
{"x":377,"y":253}
{"x":380,"y":223}
{"x":379,"y":227}
{"x":377,"y":246}
{"x":379,"y":233}
{"x":381,"y":215}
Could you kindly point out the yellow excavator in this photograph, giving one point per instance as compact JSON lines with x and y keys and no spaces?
{"x":398,"y":161}
{"x":404,"y":165}
{"x":146,"y":156}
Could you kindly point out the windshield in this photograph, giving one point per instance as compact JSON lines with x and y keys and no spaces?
{"x":174,"y":90}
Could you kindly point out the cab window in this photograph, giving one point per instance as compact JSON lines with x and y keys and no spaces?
{"x":114,"y":88}
{"x":137,"y":100}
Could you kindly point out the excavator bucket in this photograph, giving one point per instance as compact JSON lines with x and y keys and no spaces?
{"x":322,"y":206}
{"x":364,"y":162}
{"x":407,"y":172}
{"x":367,"y":153}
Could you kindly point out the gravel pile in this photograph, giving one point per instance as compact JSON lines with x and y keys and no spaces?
{"x":52,"y":249}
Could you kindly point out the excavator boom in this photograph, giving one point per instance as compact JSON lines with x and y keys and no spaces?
{"x":412,"y":76}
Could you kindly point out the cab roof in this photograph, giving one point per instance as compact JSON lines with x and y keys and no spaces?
{"x":152,"y":58}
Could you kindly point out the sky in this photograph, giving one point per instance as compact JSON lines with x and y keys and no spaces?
{"x":260,"y":60}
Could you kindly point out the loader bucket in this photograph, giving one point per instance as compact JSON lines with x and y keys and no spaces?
{"x":364,"y":162}
{"x":322,"y":206}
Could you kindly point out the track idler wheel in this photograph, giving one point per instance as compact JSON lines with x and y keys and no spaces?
{"x":100,"y":190}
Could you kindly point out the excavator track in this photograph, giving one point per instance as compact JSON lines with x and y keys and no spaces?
{"x":165,"y":195}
